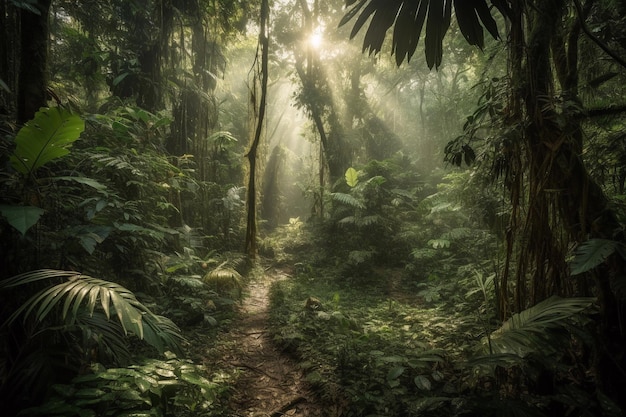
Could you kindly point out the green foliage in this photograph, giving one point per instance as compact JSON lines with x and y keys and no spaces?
{"x":371,"y":355}
{"x":67,"y":298}
{"x":152,"y":388}
{"x":352,"y":177}
{"x":592,"y":253}
{"x":225,"y":280}
{"x":45,"y":138}
{"x":21,"y":218}
{"x":534,"y":330}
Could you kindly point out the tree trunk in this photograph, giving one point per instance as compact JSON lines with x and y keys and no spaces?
{"x":33,"y":73}
{"x":251,"y":226}
{"x":564,"y":204}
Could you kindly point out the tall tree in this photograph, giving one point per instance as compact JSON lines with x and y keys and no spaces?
{"x":33,"y":61}
{"x":251,"y":224}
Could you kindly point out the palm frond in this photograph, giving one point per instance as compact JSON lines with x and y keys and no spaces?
{"x":110,"y":335}
{"x":80,"y":291}
{"x":536,"y":329}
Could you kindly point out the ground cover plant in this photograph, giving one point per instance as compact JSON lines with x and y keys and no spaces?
{"x":385,"y":345}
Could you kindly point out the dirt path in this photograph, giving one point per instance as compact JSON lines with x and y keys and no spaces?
{"x":271,"y":384}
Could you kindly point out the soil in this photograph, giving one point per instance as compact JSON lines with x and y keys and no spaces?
{"x":271,"y":384}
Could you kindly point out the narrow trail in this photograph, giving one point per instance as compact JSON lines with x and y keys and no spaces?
{"x":271,"y":384}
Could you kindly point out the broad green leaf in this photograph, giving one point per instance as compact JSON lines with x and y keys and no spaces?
{"x":46,"y":137}
{"x":89,"y":393}
{"x":84,"y":180}
{"x":120,"y":78}
{"x":352,"y":177}
{"x":395,"y":372}
{"x":195,"y":379}
{"x":21,"y":218}
{"x":314,"y":377}
{"x":591,"y":254}
{"x":422,"y":382}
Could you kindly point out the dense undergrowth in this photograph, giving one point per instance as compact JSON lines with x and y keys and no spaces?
{"x":389,"y":342}
{"x":390,"y":310}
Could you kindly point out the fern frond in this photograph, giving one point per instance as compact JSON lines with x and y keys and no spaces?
{"x":357,"y":257}
{"x":192,"y":282}
{"x":348,"y":220}
{"x":424,"y":253}
{"x":439,"y":243}
{"x":369,"y":220}
{"x":457,"y":233}
{"x":348,"y":200}
{"x":224,"y":279}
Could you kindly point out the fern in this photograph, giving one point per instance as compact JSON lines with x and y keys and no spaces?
{"x":348,"y":220}
{"x":591,"y":254}
{"x":370,"y":220}
{"x":357,"y":257}
{"x":457,"y":233}
{"x":439,"y":243}
{"x":348,"y":200}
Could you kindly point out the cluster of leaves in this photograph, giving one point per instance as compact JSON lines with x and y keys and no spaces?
{"x":153,"y":388}
{"x":201,"y":289}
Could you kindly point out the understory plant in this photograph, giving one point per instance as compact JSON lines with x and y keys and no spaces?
{"x":151,"y":388}
{"x":67,"y":322}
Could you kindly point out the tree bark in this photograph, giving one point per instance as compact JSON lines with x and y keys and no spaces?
{"x":564,"y":203}
{"x":33,"y":72}
{"x":251,"y":226}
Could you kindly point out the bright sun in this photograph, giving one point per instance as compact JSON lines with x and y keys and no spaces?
{"x":315,"y":40}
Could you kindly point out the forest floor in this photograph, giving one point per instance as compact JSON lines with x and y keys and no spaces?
{"x":270,"y":383}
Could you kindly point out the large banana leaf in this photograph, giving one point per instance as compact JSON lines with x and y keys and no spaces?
{"x":79,"y":292}
{"x":47,"y":137}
